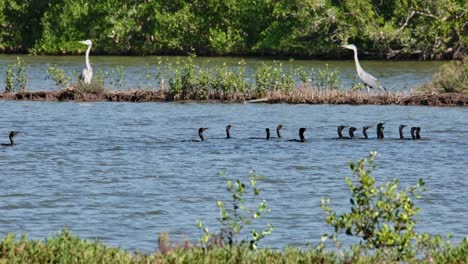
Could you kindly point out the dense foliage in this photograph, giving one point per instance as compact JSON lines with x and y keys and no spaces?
{"x":451,"y":78}
{"x":409,"y":28}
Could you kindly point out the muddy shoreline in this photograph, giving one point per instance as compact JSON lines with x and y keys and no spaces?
{"x":298,"y":96}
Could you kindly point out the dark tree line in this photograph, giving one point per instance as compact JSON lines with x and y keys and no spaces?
{"x":423,"y":29}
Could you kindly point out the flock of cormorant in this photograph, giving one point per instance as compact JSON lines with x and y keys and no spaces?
{"x":380,"y":133}
{"x":415,"y":133}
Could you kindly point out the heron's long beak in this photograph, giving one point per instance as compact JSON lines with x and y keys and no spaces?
{"x":82,"y":42}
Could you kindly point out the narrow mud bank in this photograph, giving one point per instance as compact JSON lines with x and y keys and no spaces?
{"x":297,"y":96}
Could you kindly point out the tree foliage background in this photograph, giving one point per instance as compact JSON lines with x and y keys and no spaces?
{"x":425,"y":29}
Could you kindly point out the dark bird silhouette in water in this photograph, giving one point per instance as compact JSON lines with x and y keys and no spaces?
{"x":228,"y":130}
{"x":400,"y":130}
{"x":12,"y":135}
{"x":200,"y":134}
{"x":418,"y":129}
{"x":351,"y":132}
{"x":413,"y":134}
{"x":340,"y":131}
{"x":267,"y":130}
{"x":301,"y":135}
{"x":380,"y":128}
{"x":278,"y":130}
{"x":364,"y":132}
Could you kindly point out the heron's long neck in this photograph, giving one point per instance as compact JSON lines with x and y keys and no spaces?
{"x":358,"y":66}
{"x":88,"y":65}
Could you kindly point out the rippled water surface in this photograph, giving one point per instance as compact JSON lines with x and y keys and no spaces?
{"x":124,"y":172}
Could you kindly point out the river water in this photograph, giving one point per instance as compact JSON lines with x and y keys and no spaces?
{"x":125,"y":172}
{"x":138,"y":72}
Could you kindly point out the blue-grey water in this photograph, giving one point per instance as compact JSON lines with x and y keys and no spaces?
{"x":124,"y":172}
{"x":147,"y":72}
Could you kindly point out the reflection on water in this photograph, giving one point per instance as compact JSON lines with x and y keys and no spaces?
{"x":395,"y":75}
{"x":124,"y":173}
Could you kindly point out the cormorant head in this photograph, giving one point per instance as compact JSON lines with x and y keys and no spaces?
{"x":402,"y":126}
{"x":340,"y":128}
{"x":14,"y":133}
{"x":201,"y":129}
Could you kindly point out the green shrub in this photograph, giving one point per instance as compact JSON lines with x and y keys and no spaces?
{"x":451,"y":78}
{"x":15,"y":77}
{"x":383,"y":216}
{"x":59,"y":76}
{"x":237,"y":214}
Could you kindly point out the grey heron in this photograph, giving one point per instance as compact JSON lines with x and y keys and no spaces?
{"x":12,"y":135}
{"x":87,"y":73}
{"x":368,"y":80}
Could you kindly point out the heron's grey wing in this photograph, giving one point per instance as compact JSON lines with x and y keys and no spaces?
{"x":82,"y":75}
{"x":370,"y":80}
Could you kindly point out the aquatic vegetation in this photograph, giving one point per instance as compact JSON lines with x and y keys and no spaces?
{"x":15,"y":77}
{"x":59,"y":76}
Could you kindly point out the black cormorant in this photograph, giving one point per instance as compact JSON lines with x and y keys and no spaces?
{"x":364,"y":131}
{"x":400,"y":130}
{"x":12,"y":135}
{"x":228,"y":129}
{"x":418,"y":129}
{"x":380,"y":129}
{"x":301,"y":135}
{"x":340,"y":130}
{"x":278,"y":129}
{"x":200,"y":134}
{"x":267,"y":130}
{"x":413,"y":134}
{"x":351,"y":132}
